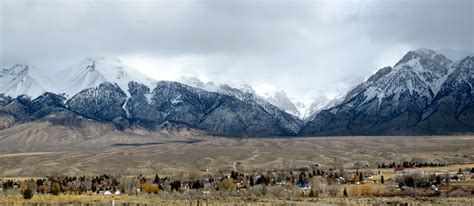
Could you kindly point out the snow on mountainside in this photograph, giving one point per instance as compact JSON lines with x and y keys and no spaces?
{"x":392,"y":100}
{"x":420,"y":72}
{"x":263,"y":95}
{"x":246,"y":94}
{"x":92,"y":72}
{"x":278,"y":97}
{"x":266,"y":94}
{"x":21,"y":80}
{"x":320,"y":103}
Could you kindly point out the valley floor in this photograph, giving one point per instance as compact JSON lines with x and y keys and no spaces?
{"x":129,"y":154}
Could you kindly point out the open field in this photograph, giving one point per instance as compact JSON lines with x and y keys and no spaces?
{"x":178,"y":157}
{"x":154,"y":200}
{"x":141,"y":154}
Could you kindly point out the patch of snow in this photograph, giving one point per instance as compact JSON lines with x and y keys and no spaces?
{"x":176,"y":100}
{"x":148,"y":97}
{"x":124,"y":107}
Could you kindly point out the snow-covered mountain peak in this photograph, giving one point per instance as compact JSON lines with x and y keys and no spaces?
{"x":428,"y":67}
{"x":21,"y":80}
{"x":94,"y":71}
{"x":467,"y":62}
{"x":428,"y":53}
{"x":424,"y":57}
{"x":16,"y":70}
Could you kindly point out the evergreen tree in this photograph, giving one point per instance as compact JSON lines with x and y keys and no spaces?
{"x":175,"y":185}
{"x":156,"y":180}
{"x":345,"y":192}
{"x":301,"y":178}
{"x":438,"y":180}
{"x":382,"y":179}
{"x":27,"y":194}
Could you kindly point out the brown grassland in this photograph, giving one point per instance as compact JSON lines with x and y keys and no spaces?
{"x":180,"y":156}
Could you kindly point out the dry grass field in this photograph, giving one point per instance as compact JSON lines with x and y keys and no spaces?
{"x":142,"y":154}
{"x":154,"y":200}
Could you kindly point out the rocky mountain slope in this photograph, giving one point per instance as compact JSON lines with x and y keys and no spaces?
{"x":107,"y":91}
{"x":425,"y":93}
{"x":266,"y":94}
{"x":248,"y":95}
{"x":412,"y":98}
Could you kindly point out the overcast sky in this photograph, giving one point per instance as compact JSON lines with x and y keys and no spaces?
{"x":305,"y":47}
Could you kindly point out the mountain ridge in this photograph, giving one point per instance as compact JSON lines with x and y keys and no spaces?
{"x":423,"y":93}
{"x":393,"y":100}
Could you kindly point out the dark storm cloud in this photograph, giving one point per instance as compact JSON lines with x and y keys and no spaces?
{"x":304,"y":46}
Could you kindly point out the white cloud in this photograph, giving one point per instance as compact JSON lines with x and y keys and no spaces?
{"x":303,"y":46}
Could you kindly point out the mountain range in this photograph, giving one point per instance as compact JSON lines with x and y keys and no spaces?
{"x":425,"y":93}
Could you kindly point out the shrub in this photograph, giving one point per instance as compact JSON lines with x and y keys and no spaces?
{"x":27,"y":193}
{"x":55,"y":188}
{"x":227,"y":185}
{"x":333,"y":191}
{"x":458,"y":193}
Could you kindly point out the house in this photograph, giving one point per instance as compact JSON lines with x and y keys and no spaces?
{"x":304,"y":189}
{"x":341,"y":180}
{"x":304,"y":186}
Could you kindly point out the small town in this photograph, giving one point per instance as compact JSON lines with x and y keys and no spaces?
{"x":405,"y":179}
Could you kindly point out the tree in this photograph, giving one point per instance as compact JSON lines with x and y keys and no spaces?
{"x":149,"y":188}
{"x":234,"y":175}
{"x":27,"y":193}
{"x":55,"y":188}
{"x":175,"y":185}
{"x":438,"y":180}
{"x":446,"y":178}
{"x":197,"y":185}
{"x":157,"y":180}
{"x":344,"y":192}
{"x":361,"y":177}
{"x":301,"y":178}
{"x":382,"y":179}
